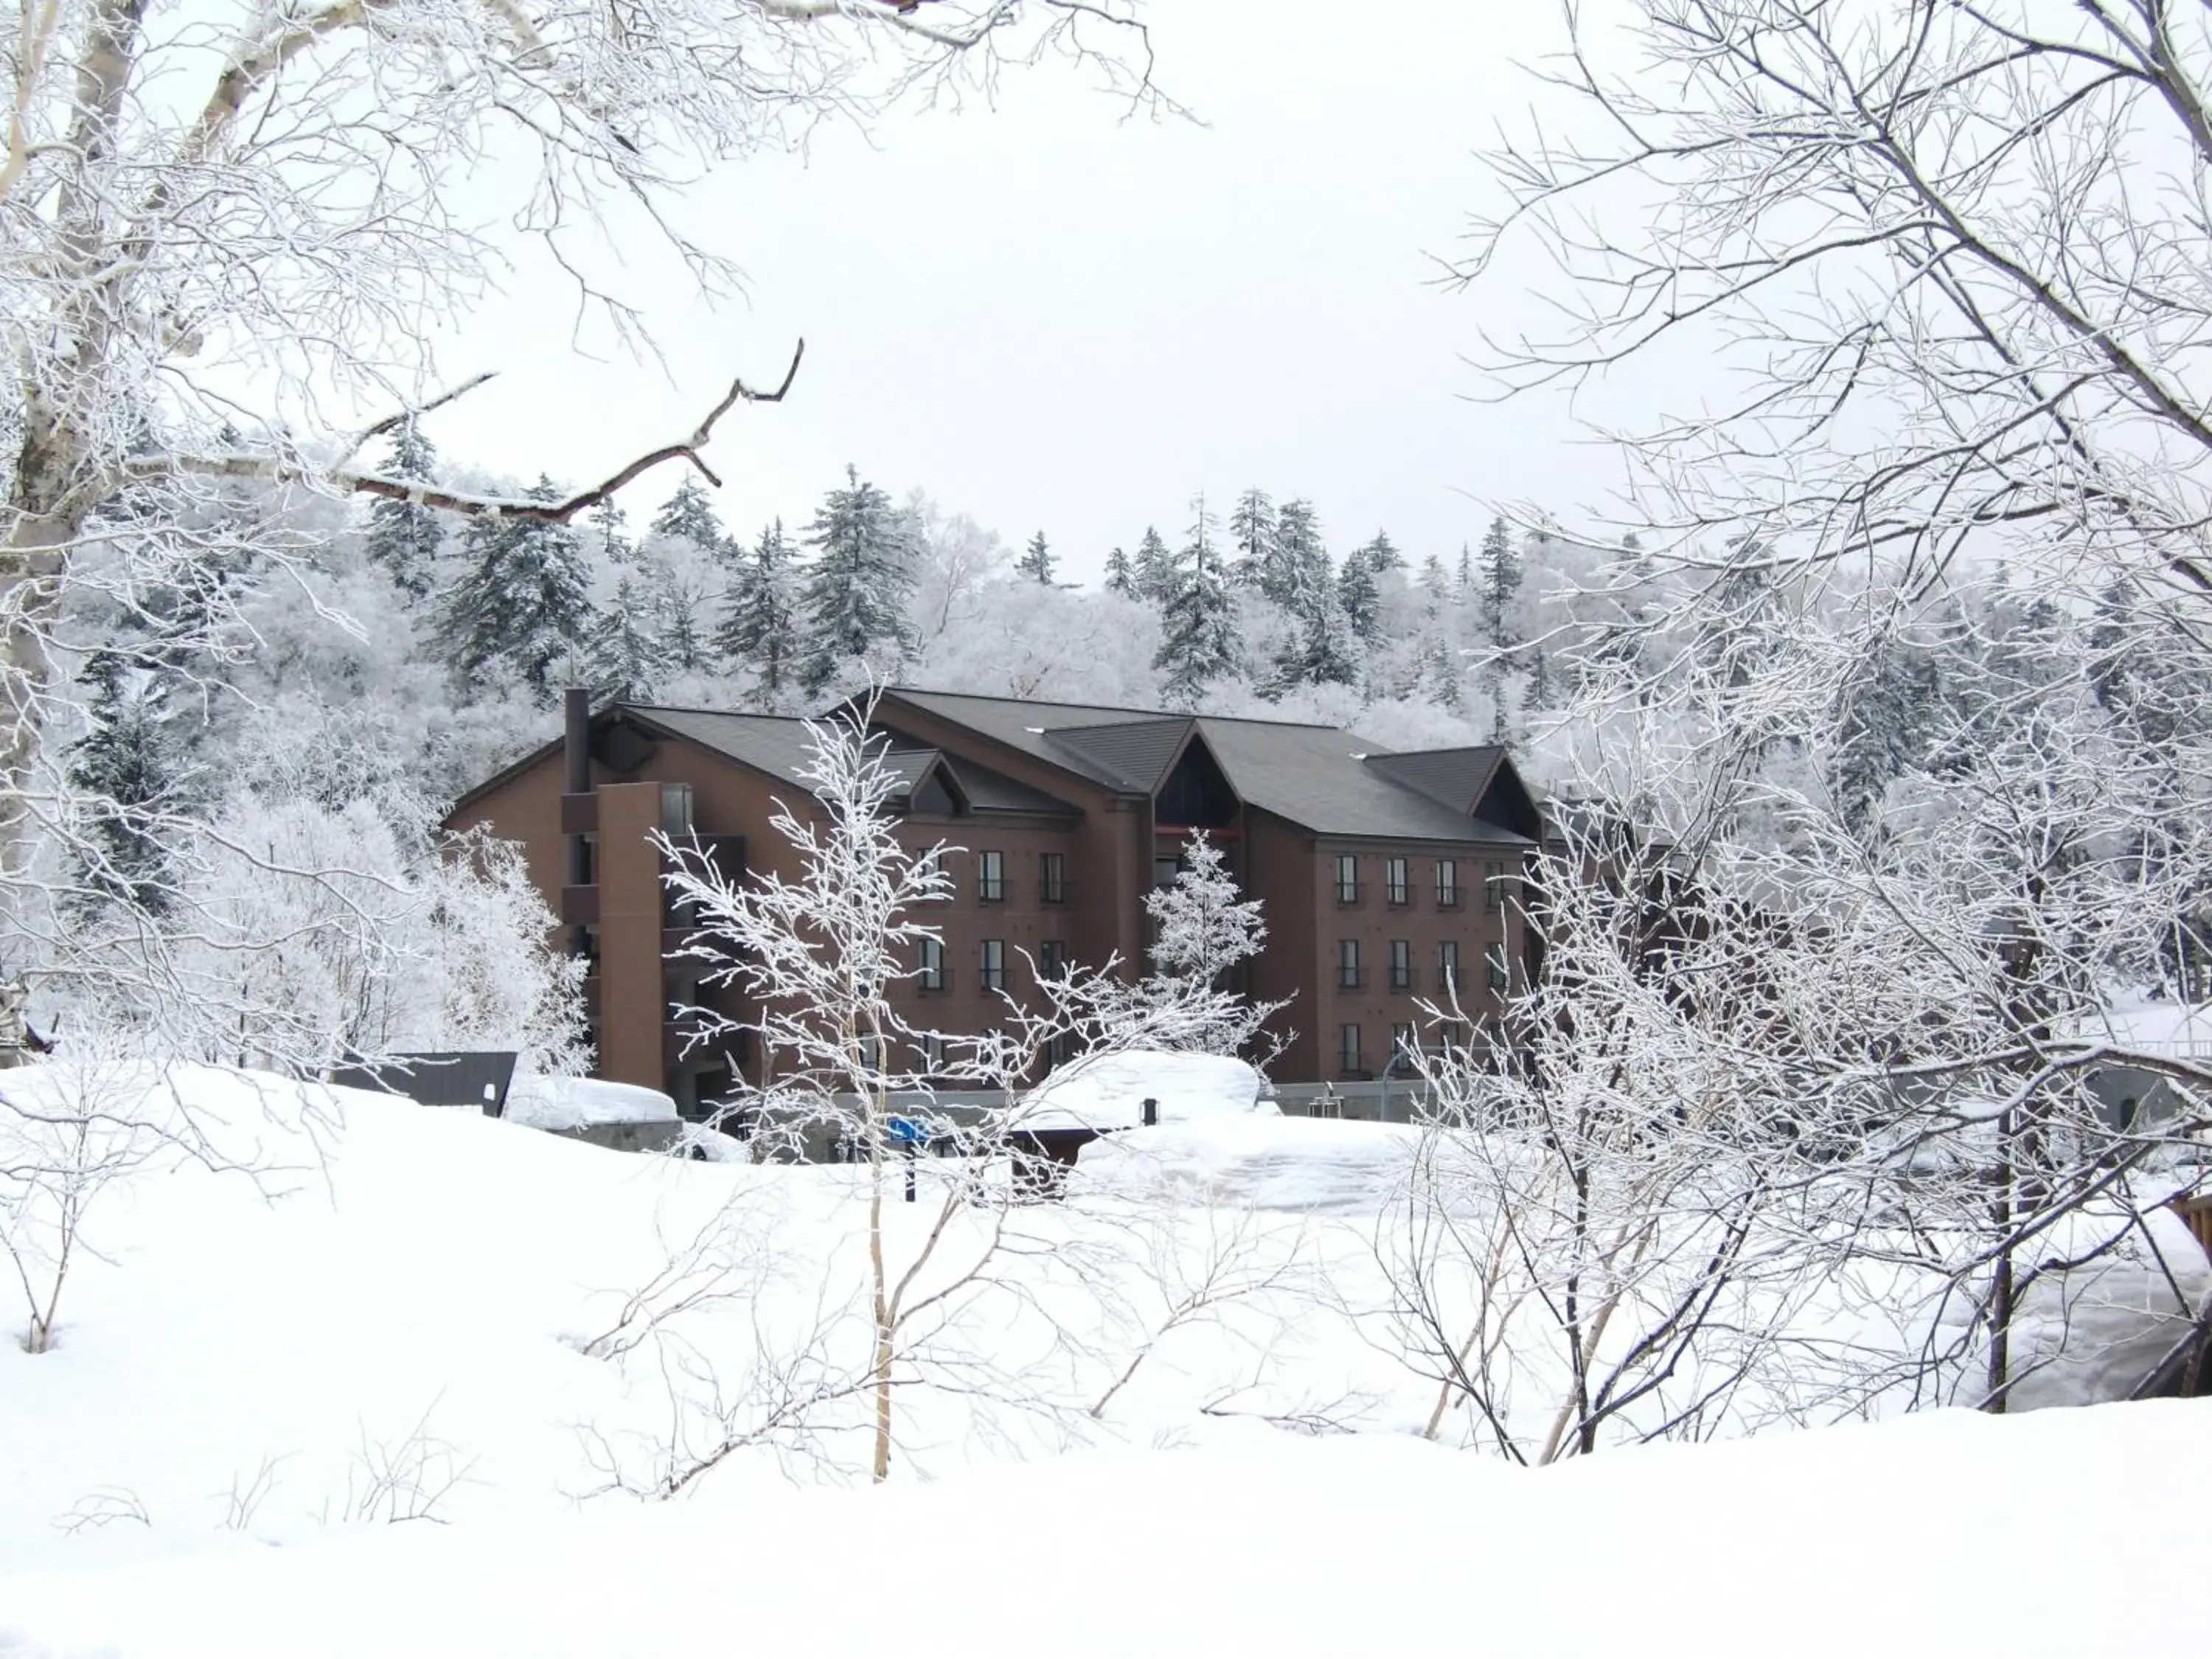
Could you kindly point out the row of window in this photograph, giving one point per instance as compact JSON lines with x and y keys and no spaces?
{"x":1398,"y":884}
{"x":1351,"y":976}
{"x":932,"y":974}
{"x":992,"y":885}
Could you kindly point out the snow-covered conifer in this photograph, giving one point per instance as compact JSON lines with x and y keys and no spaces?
{"x":756,"y":631}
{"x":1120,"y":577}
{"x":1297,"y":556}
{"x":623,"y":655}
{"x":689,"y":514}
{"x":1199,"y":642}
{"x":1360,"y":597}
{"x":1156,"y":575}
{"x":1036,"y":560}
{"x":1502,"y":576}
{"x":127,"y":770}
{"x":522,"y":604}
{"x":403,"y":536}
{"x":854,"y":603}
{"x":1251,"y":538}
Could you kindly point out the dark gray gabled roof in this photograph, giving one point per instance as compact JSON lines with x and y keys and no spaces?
{"x":775,"y":744}
{"x":1318,"y":777}
{"x":994,"y":792}
{"x":1134,"y":754}
{"x":1454,"y":777}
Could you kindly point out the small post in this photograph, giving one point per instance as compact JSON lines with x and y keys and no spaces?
{"x":913,"y":1157}
{"x":1152,"y":1112}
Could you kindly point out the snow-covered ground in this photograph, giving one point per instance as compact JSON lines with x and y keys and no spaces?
{"x":362,"y":1404}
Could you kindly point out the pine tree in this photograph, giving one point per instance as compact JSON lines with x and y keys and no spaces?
{"x":857,"y":586}
{"x":1382,"y":554}
{"x":1328,"y":652}
{"x":610,"y":539}
{"x":1297,"y":558}
{"x":1120,"y":578}
{"x":1540,"y":690}
{"x":1356,"y":591}
{"x":1435,"y":584}
{"x":403,"y":536}
{"x":689,"y":514}
{"x":1466,"y":574}
{"x":127,"y":768}
{"x":676,"y":608}
{"x":1157,"y":579}
{"x":1198,"y":644}
{"x":522,"y":604}
{"x":1037,"y":561}
{"x":762,"y":606}
{"x":1502,"y":576}
{"x":1252,"y":538}
{"x":622,"y":654}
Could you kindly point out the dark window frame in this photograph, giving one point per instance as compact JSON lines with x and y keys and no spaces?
{"x":1348,"y":976}
{"x":1494,"y":885}
{"x":930,"y":972}
{"x":1351,"y":1049}
{"x":1402,"y":964}
{"x":991,"y":883}
{"x":1397,"y":882}
{"x":991,"y":953}
{"x":1448,"y":966}
{"x":1448,"y":888}
{"x":1347,"y":878}
{"x":1052,"y":877}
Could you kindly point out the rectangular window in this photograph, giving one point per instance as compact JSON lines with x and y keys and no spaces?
{"x":1494,"y":959}
{"x":933,"y":1055}
{"x":994,"y":964}
{"x":1402,"y":964}
{"x":1347,"y":878}
{"x":991,"y":877}
{"x":930,"y":863}
{"x":1165,"y":871}
{"x":1052,"y":959}
{"x":1347,"y":964}
{"x":1448,"y":966}
{"x":1052,"y":877}
{"x":1494,"y":885}
{"x":1347,"y":1050}
{"x":933,"y":976}
{"x":1395,"y":887}
{"x":1447,"y":884}
{"x":1404,"y":1041}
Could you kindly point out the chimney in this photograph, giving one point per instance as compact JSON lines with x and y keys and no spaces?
{"x":576,"y":750}
{"x":1152,"y":1113}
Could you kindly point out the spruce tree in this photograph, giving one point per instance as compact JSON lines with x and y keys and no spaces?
{"x":1199,"y":644}
{"x":1251,"y":538}
{"x":523,"y":603}
{"x":1466,"y":583}
{"x":1356,"y":591}
{"x":689,"y":514}
{"x":622,"y":654}
{"x":1297,"y":558}
{"x":403,"y":536}
{"x":761,"y":609}
{"x":1382,"y":554}
{"x":857,"y":586}
{"x":1158,"y":578}
{"x":1120,"y":577}
{"x":1502,"y":576}
{"x":676,"y":608}
{"x":128,"y":767}
{"x":608,"y":535}
{"x":1037,"y":561}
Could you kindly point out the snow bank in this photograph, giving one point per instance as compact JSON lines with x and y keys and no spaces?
{"x":1271,"y":1545}
{"x":1108,"y":1091}
{"x":581,"y":1103}
{"x":1321,"y":1166}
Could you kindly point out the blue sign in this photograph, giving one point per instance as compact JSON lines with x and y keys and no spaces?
{"x":911,"y":1131}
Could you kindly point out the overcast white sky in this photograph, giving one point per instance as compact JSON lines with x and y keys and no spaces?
{"x":1049,"y":318}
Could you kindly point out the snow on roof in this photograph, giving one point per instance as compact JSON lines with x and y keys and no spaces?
{"x":2181,"y":1031}
{"x":582,"y":1103}
{"x":1108,"y":1091}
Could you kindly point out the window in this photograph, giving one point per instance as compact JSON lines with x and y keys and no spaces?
{"x":1404,"y":1041}
{"x":1347,"y":1048}
{"x":933,"y":1055}
{"x":1165,"y":871}
{"x":1396,"y":888}
{"x":933,"y":976}
{"x":1494,"y":959}
{"x":1059,"y":1050}
{"x":994,"y":964}
{"x":991,"y":877}
{"x":1447,"y":884}
{"x":1052,"y":877}
{"x":930,"y":863}
{"x":1493,"y":886}
{"x":1402,"y":964}
{"x":1052,"y":959}
{"x":1347,"y":878}
{"x":1347,"y":964}
{"x":1448,"y":966}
